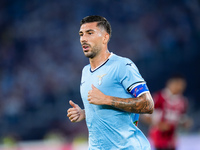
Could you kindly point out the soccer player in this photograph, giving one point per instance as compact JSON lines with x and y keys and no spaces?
{"x":169,"y":113}
{"x":113,"y":92}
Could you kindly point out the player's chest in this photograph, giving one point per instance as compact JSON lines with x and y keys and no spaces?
{"x":100,"y":79}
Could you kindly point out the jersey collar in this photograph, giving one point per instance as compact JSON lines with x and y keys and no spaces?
{"x":111,"y":54}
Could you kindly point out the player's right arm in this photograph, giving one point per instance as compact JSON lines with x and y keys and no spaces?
{"x":75,"y":114}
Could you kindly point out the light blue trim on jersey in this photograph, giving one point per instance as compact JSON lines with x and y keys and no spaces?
{"x":110,"y":128}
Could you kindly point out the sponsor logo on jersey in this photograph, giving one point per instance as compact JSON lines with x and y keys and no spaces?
{"x":135,"y":123}
{"x":129,"y":64}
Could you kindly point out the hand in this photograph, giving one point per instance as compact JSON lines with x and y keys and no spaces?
{"x":95,"y":96}
{"x":75,"y":114}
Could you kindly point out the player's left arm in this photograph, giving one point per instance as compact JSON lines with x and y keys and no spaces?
{"x":185,"y":121}
{"x":127,"y":74}
{"x":142,"y":104}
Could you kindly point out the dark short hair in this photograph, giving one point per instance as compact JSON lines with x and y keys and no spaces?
{"x":101,"y":22}
{"x":177,"y":76}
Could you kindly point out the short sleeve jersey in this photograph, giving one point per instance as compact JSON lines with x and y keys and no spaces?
{"x":109,"y":127}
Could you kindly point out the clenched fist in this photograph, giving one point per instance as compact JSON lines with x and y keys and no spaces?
{"x":95,"y":96}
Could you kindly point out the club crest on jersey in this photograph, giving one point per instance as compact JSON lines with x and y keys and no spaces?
{"x":100,"y":78}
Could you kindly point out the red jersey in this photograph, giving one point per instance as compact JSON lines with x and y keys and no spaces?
{"x":168,"y":109}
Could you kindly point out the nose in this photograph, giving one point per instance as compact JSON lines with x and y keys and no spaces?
{"x":83,"y":39}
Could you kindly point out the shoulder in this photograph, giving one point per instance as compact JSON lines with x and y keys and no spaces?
{"x":122,"y":61}
{"x":119,"y":59}
{"x":86,"y":68}
{"x":158,"y":94}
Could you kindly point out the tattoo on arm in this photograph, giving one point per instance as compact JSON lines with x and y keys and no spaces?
{"x":141,"y":104}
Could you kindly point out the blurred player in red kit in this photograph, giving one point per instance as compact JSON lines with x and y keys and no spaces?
{"x":169,"y":113}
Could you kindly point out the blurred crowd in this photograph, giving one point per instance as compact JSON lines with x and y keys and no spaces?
{"x":41,"y":58}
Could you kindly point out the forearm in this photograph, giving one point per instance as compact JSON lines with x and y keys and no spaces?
{"x":141,"y":104}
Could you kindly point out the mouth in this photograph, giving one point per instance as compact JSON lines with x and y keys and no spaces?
{"x":85,"y":47}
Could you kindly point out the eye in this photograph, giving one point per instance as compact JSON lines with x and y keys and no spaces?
{"x":90,"y":33}
{"x":80,"y":34}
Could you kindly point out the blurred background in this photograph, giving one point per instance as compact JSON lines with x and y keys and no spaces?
{"x":41,"y":61}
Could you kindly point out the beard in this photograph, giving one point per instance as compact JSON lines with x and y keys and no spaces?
{"x":94,"y":51}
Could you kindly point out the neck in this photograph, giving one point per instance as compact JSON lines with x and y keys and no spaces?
{"x":99,"y":59}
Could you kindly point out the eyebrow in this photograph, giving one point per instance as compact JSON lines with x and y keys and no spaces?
{"x":86,"y":30}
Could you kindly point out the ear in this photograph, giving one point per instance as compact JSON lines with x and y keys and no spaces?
{"x":106,"y":38}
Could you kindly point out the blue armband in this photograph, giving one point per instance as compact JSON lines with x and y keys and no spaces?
{"x":138,"y":89}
